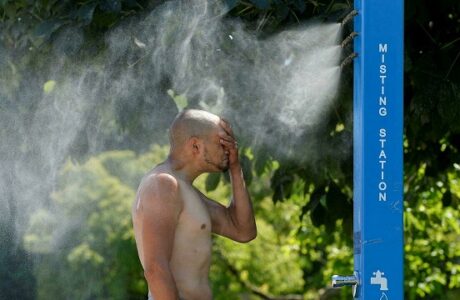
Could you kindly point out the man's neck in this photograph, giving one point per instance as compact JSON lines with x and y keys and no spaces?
{"x":181,"y":169}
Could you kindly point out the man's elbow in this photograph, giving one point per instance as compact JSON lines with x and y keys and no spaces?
{"x":155,"y":271}
{"x":247,"y":237}
{"x":150,"y":275}
{"x":250,"y":237}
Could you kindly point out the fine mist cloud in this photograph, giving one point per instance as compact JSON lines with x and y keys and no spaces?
{"x":277,"y":90}
{"x":277,"y":87}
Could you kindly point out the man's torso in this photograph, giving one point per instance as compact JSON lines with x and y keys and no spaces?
{"x":191,"y":254}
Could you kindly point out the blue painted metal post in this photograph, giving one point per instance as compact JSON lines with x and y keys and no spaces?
{"x":378,"y":152}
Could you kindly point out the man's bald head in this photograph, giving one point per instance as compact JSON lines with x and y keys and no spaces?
{"x":191,"y":123}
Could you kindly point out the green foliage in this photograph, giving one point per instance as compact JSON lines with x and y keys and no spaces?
{"x":432,"y":240}
{"x":180,"y":100}
{"x":92,"y":240}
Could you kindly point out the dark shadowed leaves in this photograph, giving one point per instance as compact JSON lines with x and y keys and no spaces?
{"x":282,"y":183}
{"x":300,"y":5}
{"x":85,"y":13}
{"x":282,"y":11}
{"x":212,"y":181}
{"x":113,"y":6}
{"x":231,"y":3}
{"x":315,"y":199}
{"x":318,"y":215}
{"x":247,"y":168}
{"x":447,"y":198}
{"x":337,"y":203}
{"x":261,"y":4}
{"x":47,"y":28}
{"x":260,"y":162}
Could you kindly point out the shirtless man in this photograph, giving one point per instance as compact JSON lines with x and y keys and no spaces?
{"x":173,"y":221}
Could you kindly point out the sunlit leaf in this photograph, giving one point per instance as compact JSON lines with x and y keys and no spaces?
{"x":180,"y":100}
{"x":49,"y":86}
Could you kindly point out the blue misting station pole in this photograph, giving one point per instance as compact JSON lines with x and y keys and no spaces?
{"x":378,"y":151}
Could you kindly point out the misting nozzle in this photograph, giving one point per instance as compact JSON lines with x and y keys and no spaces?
{"x":348,"y":39}
{"x":348,"y":59}
{"x":349,"y":17}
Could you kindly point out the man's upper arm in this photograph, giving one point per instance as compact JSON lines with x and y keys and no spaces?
{"x":222,"y":222}
{"x":161,"y":207}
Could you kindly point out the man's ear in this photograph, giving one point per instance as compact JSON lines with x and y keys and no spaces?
{"x":194,"y":144}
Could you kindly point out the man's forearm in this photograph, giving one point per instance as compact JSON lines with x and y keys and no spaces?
{"x":241,"y":207}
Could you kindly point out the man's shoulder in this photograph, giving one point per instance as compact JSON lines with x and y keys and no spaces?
{"x":160,"y":177}
{"x":158,"y":189}
{"x":160,"y":182}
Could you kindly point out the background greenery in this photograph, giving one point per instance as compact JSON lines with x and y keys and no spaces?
{"x":304,"y":214}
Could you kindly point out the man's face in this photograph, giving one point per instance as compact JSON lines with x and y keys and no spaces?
{"x":215,"y":156}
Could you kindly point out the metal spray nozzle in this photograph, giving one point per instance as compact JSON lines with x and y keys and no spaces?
{"x":349,"y":17}
{"x":348,"y":39}
{"x":348,"y":59}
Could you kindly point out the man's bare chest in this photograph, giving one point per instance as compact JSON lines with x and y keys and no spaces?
{"x":194,"y":217}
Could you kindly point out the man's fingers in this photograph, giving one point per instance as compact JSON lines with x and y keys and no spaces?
{"x":226,"y":137}
{"x":227,"y":127}
{"x":226,"y":143}
{"x":224,"y":120}
{"x":230,"y":145}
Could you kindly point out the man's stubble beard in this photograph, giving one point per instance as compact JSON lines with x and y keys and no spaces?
{"x":220,"y":167}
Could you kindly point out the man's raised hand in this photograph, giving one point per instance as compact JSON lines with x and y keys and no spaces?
{"x":229,"y":143}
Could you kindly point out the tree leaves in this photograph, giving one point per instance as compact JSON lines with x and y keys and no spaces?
{"x":260,"y":161}
{"x":180,"y":100}
{"x":300,"y":5}
{"x":212,"y":181}
{"x":282,"y":182}
{"x":246,"y":165}
{"x":47,"y":28}
{"x":261,"y":4}
{"x":319,"y":215}
{"x":337,"y":203}
{"x":315,"y":199}
{"x":49,"y":86}
{"x":113,"y":6}
{"x":446,"y":198}
{"x":231,"y":4}
{"x":86,"y":12}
